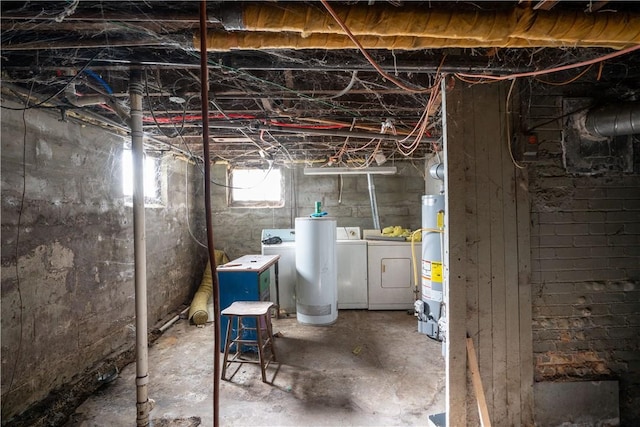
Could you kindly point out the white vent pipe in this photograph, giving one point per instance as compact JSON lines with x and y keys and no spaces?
{"x":374,"y":202}
{"x":87,"y":100}
{"x":139,"y":251}
{"x":83,"y":101}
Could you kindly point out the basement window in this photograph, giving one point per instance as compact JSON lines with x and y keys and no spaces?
{"x":256,"y":188}
{"x":152,"y":182}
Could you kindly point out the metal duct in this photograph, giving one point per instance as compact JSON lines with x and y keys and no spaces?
{"x":437,"y":171}
{"x":412,"y":25}
{"x":614,"y":120}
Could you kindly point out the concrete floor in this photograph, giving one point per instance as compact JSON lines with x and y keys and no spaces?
{"x":370,"y":368}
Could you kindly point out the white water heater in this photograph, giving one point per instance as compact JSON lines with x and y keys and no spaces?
{"x":316,"y":267}
{"x":428,"y":309}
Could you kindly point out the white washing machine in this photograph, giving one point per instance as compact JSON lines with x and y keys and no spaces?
{"x":352,"y":269}
{"x":287,"y":276}
{"x":391,"y":276}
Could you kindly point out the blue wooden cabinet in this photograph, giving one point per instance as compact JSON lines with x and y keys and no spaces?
{"x":244,"y":279}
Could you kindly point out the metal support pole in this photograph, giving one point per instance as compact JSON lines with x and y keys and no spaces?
{"x":204,"y":96}
{"x":374,"y":202}
{"x":139,"y":250}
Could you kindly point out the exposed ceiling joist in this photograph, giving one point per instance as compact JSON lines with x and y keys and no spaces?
{"x":296,"y":104}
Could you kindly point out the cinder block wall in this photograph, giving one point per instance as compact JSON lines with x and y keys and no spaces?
{"x":70,"y":264}
{"x":585,"y":240}
{"x":238,"y":230}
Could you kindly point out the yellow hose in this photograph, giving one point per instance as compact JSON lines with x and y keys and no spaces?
{"x":198,"y":310}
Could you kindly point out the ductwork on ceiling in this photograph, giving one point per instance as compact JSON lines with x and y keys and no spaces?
{"x":299,"y":26}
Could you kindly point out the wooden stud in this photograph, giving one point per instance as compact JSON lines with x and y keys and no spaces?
{"x":483,"y":412}
{"x":455,"y":255}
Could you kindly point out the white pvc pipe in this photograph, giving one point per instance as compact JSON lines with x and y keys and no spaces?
{"x":173,"y":320}
{"x":82,"y":101}
{"x":139,"y":249}
{"x":374,"y":202}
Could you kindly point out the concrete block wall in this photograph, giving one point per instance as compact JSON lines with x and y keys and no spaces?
{"x":67,"y":271}
{"x":238,"y":230}
{"x":585,"y":247}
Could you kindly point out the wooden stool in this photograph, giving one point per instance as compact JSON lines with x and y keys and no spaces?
{"x":255,"y":333}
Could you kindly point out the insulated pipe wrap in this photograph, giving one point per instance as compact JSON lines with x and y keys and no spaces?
{"x":376,"y":21}
{"x":577,"y":27}
{"x":224,"y":42}
{"x":522,"y":26}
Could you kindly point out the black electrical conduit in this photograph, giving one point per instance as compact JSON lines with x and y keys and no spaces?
{"x":204,"y":88}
